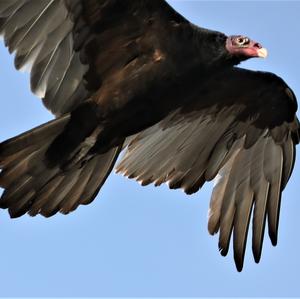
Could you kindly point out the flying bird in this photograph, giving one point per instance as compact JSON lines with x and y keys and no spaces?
{"x":134,"y":76}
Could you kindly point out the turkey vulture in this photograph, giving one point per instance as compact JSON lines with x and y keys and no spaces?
{"x":136,"y":76}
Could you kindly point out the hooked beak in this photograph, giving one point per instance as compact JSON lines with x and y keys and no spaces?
{"x":262,"y":52}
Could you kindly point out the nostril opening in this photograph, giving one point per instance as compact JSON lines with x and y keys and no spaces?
{"x":257,"y":45}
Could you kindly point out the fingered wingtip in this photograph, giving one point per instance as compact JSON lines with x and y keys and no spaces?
{"x":273,"y":237}
{"x":223,"y":251}
{"x":239,"y":261}
{"x":257,"y":257}
{"x":274,"y":242}
{"x":239,"y":267}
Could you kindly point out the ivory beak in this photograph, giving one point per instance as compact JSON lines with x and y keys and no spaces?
{"x":263,"y":53}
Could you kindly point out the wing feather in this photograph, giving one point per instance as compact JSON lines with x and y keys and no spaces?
{"x":273,"y":165}
{"x":70,"y":46}
{"x":260,"y":187}
{"x":250,"y":152}
{"x":41,"y":35}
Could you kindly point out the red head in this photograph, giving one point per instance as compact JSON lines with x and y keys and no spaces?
{"x":243,"y":47}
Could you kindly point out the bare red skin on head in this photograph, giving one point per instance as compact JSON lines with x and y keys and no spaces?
{"x":247,"y":51}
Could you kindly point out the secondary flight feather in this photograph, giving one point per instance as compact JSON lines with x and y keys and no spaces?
{"x":136,"y":76}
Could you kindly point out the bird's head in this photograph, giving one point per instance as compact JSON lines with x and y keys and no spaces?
{"x":243,"y":47}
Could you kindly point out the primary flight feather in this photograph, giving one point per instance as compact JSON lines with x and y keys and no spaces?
{"x":134,"y":75}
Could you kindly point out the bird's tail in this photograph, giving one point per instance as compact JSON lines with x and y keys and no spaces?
{"x":35,"y":184}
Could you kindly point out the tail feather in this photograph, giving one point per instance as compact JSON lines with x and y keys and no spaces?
{"x":35,"y":186}
{"x":51,"y":205}
{"x":99,"y":177}
{"x":32,"y":138}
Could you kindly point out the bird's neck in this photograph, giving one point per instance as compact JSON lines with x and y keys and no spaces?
{"x":211,"y":47}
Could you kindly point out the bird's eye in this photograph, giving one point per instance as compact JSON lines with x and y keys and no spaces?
{"x":242,"y":41}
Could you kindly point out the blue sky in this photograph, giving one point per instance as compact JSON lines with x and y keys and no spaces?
{"x":134,"y":241}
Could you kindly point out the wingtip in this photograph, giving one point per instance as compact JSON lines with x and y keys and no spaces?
{"x":16,"y":213}
{"x":274,"y":241}
{"x":257,"y":256}
{"x":239,"y":267}
{"x":212,"y":230}
{"x":274,"y":238}
{"x":239,"y":262}
{"x":223,"y":250}
{"x":257,"y":251}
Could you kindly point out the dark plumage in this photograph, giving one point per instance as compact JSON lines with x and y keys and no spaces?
{"x":135,"y":75}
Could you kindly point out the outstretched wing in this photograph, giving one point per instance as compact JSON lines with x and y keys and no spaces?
{"x":240,"y":128}
{"x":70,"y":46}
